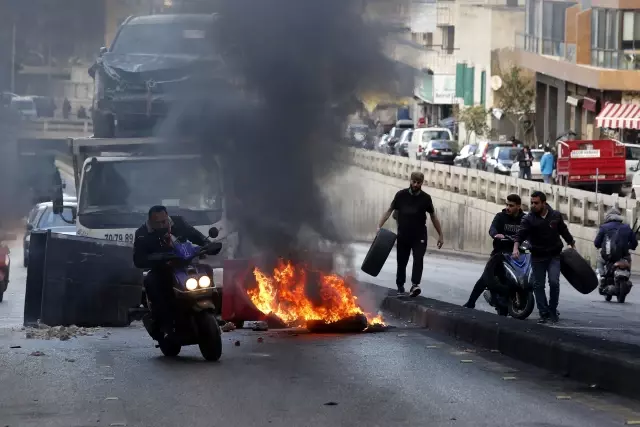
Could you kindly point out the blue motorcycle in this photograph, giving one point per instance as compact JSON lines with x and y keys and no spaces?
{"x":194,"y":309}
{"x":515,"y":297}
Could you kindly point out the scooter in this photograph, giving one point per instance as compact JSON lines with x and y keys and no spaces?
{"x":515,"y":298}
{"x":615,"y":281}
{"x":195,"y":312}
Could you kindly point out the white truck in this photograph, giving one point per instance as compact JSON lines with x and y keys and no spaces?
{"x":119,"y":179}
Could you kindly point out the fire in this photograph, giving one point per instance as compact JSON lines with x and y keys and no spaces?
{"x":283,"y":295}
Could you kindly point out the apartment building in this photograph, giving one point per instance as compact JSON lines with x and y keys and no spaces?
{"x":585,"y":56}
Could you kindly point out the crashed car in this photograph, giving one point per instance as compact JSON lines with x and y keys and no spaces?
{"x":154,"y":63}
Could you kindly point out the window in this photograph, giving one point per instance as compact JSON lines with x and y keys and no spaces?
{"x":532,"y":18}
{"x":50,"y":220}
{"x":630,"y":30}
{"x":448,"y":38}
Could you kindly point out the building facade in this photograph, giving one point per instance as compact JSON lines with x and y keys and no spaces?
{"x":585,"y":56}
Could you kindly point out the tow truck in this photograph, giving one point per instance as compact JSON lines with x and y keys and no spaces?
{"x":118,"y":179}
{"x":586,"y":164}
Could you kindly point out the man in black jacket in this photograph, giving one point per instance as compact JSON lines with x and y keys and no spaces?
{"x":157,"y":236}
{"x":505,"y":225}
{"x":543,"y":227}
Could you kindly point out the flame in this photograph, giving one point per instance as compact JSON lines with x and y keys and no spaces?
{"x":283,"y":295}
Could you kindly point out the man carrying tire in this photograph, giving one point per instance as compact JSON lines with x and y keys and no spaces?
{"x":412,"y":205}
{"x":503,"y":230}
{"x":543,"y":227}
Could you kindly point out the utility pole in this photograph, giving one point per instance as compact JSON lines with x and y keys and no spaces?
{"x":13,"y":59}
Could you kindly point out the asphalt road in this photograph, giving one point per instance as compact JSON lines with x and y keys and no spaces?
{"x":451,"y":278}
{"x":402,"y":377}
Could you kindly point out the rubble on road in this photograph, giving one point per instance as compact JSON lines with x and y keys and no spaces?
{"x":63,"y":333}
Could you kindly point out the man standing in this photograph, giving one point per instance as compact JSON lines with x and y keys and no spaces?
{"x":546,"y":165}
{"x":503,"y":230}
{"x":412,"y":205}
{"x":543,"y":227}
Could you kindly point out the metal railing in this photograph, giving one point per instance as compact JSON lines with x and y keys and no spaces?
{"x":546,"y":46}
{"x":615,"y":59}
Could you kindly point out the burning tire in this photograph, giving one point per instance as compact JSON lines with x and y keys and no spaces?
{"x":578,"y":272}
{"x":210,"y":336}
{"x":351,"y":324}
{"x":379,"y":252}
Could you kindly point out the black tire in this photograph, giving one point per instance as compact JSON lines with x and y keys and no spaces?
{"x":169,"y":348}
{"x":578,"y":272}
{"x":519,"y":309}
{"x":210,"y":336}
{"x":608,"y":298}
{"x":103,"y":125}
{"x":379,"y":252}
{"x":1,"y":296}
{"x":621,"y":298}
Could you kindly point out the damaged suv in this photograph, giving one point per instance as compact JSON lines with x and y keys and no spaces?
{"x":155,"y":64}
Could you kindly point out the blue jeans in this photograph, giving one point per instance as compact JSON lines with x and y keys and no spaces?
{"x":541,"y":268}
{"x":547,"y":179}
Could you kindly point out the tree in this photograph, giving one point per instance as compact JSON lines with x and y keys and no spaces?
{"x":475,"y":121}
{"x":516,"y":99}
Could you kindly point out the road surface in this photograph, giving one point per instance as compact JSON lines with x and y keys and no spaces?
{"x":451,"y":278}
{"x":402,"y":377}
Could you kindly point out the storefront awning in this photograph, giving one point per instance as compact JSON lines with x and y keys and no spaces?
{"x":619,"y":116}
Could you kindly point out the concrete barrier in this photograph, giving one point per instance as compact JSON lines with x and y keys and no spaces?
{"x":466,"y":201}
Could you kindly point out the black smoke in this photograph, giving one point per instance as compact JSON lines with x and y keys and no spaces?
{"x":296,"y":68}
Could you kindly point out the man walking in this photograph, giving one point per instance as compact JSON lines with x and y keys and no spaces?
{"x":412,"y":205}
{"x":546,"y":165}
{"x":543,"y":227}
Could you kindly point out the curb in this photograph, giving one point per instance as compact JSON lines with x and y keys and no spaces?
{"x":609,"y":365}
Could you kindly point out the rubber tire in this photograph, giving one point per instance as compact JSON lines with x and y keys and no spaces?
{"x":578,"y":272}
{"x":379,"y":252}
{"x":531,"y":304}
{"x":1,"y":296}
{"x":169,"y":349}
{"x":608,"y":298}
{"x":103,"y":125}
{"x":210,"y":336}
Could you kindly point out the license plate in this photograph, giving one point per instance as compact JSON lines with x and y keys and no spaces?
{"x":447,"y":154}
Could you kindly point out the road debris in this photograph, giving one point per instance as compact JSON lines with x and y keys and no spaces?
{"x":237,"y":343}
{"x":63,"y":333}
{"x":261,"y":326}
{"x":228,"y":327}
{"x":37,"y":353}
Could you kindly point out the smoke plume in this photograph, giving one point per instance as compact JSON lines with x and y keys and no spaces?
{"x":297,"y":68}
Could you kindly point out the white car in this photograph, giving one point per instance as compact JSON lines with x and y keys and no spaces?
{"x":536,"y":175}
{"x":632,"y":158}
{"x":422,"y":136}
{"x":25,"y":105}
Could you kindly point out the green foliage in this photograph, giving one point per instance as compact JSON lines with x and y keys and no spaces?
{"x":475,"y":121}
{"x":516,"y":97}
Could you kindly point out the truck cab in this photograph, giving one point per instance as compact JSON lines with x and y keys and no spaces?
{"x":118,"y":180}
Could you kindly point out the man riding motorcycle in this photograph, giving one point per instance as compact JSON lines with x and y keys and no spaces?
{"x":622,"y":239}
{"x":154,"y":239}
{"x":505,"y":224}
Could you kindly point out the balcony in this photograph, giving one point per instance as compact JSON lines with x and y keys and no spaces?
{"x":438,"y":61}
{"x":577,"y":63}
{"x":615,"y":59}
{"x":445,"y":14}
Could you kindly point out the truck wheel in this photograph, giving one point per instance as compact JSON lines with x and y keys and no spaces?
{"x":169,"y":348}
{"x":209,"y":336}
{"x":103,"y":125}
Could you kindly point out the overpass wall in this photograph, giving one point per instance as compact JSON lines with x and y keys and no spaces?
{"x":466,"y":201}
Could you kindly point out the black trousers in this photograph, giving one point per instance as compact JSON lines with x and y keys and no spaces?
{"x":494,"y":268}
{"x":405,"y":247}
{"x":159,"y":289}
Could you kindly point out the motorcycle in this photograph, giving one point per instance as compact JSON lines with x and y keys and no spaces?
{"x":615,"y":281}
{"x":514,"y":298}
{"x":194,"y":308}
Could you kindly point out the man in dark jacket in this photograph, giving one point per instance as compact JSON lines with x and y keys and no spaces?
{"x":504,"y":229}
{"x":543,"y":227}
{"x":614,"y":228}
{"x":155,"y":237}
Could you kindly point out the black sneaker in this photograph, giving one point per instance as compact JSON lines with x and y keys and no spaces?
{"x":554,"y":318}
{"x":468,"y":305}
{"x":415,"y":290}
{"x":543,"y":320}
{"x":401,"y":292}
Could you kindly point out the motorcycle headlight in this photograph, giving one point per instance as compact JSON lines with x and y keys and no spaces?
{"x":204,"y":282}
{"x":192,"y":284}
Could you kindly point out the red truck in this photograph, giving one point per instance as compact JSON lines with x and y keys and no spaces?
{"x":582,"y":163}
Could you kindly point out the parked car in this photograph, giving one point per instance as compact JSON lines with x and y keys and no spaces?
{"x":632,"y":158}
{"x":25,"y":105}
{"x":462,"y":159}
{"x":422,"y":136}
{"x":439,"y":152}
{"x":478,"y":159}
{"x":381,"y":145}
{"x":403,"y":144}
{"x":42,"y":217}
{"x":358,"y":135}
{"x":535,"y":166}
{"x":501,"y":159}
{"x":394,"y":137}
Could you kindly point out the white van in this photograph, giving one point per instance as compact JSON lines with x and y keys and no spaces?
{"x":422,"y":136}
{"x":25,"y":105}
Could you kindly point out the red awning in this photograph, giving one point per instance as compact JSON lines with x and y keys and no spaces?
{"x":619,"y":116}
